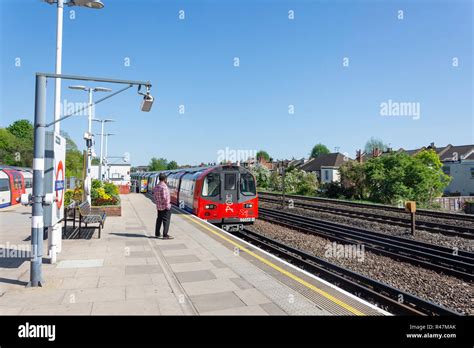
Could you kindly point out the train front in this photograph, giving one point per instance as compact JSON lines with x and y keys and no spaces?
{"x":228,"y":197}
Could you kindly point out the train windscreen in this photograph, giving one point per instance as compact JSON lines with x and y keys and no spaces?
{"x":247,"y":185}
{"x":212,"y":185}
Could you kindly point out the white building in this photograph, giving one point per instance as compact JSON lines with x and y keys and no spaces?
{"x":462,"y":177}
{"x":118,"y":173}
{"x":326,"y":166}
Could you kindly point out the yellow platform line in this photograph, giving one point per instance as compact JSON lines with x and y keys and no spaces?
{"x":281,"y":270}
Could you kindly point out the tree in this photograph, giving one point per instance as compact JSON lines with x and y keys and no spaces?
{"x":8,"y":147}
{"x":262,"y":175}
{"x":70,"y":144}
{"x":353,"y":180}
{"x":23,"y":130}
{"x":374,"y":143}
{"x":157,"y":164}
{"x":172,"y":165}
{"x":263,"y":155}
{"x":307,"y":183}
{"x":319,"y":149}
{"x":427,"y":177}
{"x":400,"y":177}
{"x":74,"y":164}
{"x":386,"y":178}
{"x":16,"y":144}
{"x":74,"y":158}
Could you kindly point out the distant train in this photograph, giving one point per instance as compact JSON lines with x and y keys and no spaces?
{"x":224,"y":195}
{"x":13,"y":183}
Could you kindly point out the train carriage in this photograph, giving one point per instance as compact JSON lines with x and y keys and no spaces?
{"x":16,"y":186}
{"x":28,"y":176}
{"x":224,"y":195}
{"x":5,"y":198}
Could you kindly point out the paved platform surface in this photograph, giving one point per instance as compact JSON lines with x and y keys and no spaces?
{"x":200,"y":271}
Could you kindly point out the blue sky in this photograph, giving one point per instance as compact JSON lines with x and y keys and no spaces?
{"x":282,"y":62}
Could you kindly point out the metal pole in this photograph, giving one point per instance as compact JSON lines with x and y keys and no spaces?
{"x":89,"y":150}
{"x":284,"y":171}
{"x":37,"y":225}
{"x":59,"y":49}
{"x":413,"y":223}
{"x":106,"y":160}
{"x":101,"y":150}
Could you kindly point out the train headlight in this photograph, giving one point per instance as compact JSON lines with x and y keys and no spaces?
{"x":248,"y":205}
{"x":210,"y":206}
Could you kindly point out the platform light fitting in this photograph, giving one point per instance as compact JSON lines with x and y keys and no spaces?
{"x":147,"y":99}
{"x":94,"y":4}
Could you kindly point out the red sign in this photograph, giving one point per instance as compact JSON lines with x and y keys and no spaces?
{"x":59,"y":184}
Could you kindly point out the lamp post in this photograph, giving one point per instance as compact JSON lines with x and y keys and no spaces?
{"x":102,"y":143}
{"x":106,"y":160}
{"x":89,"y":136}
{"x":94,"y":4}
{"x":38,"y":199}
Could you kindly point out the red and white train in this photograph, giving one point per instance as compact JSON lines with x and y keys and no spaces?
{"x":224,"y":195}
{"x":13,"y":183}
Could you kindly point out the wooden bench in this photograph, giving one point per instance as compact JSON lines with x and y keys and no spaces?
{"x":87,"y":216}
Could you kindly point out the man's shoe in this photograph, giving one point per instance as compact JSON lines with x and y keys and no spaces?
{"x":168,"y":237}
{"x":157,"y":237}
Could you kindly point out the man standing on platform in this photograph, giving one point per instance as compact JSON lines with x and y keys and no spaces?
{"x":163,"y":206}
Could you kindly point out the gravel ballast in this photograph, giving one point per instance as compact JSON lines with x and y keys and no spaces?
{"x":386,"y":228}
{"x":445,"y":290}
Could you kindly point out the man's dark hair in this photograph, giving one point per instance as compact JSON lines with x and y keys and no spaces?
{"x":162,"y":177}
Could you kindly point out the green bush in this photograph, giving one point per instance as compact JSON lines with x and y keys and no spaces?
{"x":111,"y":189}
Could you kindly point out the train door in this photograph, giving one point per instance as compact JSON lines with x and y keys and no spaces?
{"x":230,"y":193}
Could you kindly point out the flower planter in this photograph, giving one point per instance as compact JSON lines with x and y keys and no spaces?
{"x":110,"y":210}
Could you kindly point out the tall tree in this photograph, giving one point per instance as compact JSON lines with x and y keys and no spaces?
{"x":375,"y":143}
{"x":16,"y":147}
{"x":172,"y":165}
{"x":74,"y":157}
{"x":319,"y":149}
{"x":22,"y":129}
{"x":157,"y":164}
{"x":263,"y":155}
{"x":8,"y":147}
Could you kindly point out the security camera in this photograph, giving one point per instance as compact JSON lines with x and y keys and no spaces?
{"x":87,"y":136}
{"x":147,"y":102}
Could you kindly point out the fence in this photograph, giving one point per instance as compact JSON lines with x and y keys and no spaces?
{"x":454,"y":203}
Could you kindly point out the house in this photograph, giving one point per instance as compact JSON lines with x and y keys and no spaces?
{"x":326,"y":166}
{"x":458,"y":163}
{"x":117,"y":173}
{"x":140,"y":169}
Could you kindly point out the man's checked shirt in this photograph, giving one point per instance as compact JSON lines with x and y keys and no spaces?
{"x":162,"y":196}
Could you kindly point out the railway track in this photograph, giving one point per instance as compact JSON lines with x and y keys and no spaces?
{"x":433,"y":227}
{"x":383,"y":295}
{"x":441,"y":259}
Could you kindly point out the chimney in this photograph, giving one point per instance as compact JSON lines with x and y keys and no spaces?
{"x":376,"y":152}
{"x":432,"y":146}
{"x":359,"y":156}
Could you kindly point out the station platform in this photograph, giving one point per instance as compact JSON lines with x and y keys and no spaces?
{"x":202,"y":271}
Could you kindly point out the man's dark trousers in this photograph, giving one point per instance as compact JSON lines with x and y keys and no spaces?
{"x":164,"y":216}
